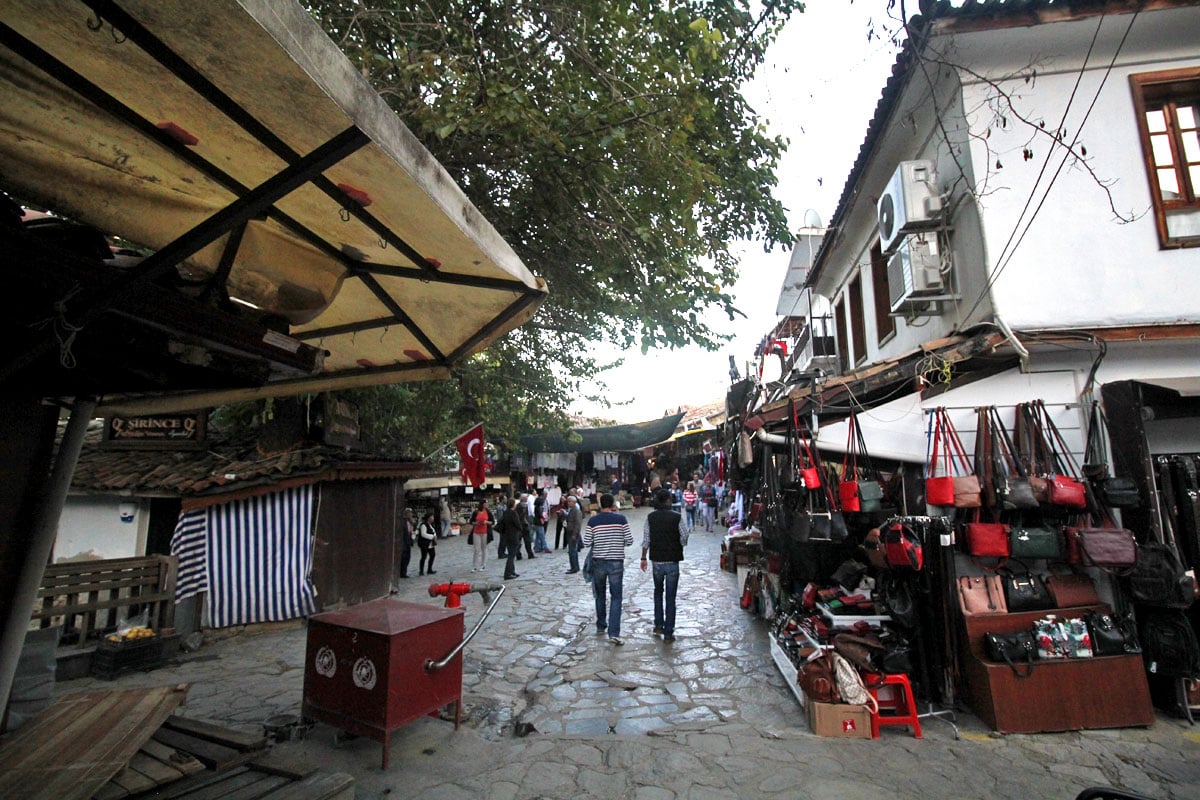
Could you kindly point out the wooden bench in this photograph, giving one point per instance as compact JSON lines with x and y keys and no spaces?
{"x":93,"y":596}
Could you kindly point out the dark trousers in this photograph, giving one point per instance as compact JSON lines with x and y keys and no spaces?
{"x":405,"y":558}
{"x":510,"y":569}
{"x":527,"y":538}
{"x":573,"y":553}
{"x":430,"y":553}
{"x":558,"y":529}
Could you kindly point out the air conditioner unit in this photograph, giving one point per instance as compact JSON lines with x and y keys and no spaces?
{"x":915,"y":270}
{"x":910,"y":202}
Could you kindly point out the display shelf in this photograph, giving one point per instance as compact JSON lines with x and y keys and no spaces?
{"x":787,"y":669}
{"x":837,"y":621}
{"x":1060,"y":694}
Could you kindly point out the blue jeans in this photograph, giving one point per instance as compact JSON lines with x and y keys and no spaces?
{"x":666,"y":579}
{"x":691,"y":517}
{"x":611,"y":571}
{"x":539,"y":537}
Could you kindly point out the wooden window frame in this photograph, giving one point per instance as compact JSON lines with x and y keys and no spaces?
{"x":842,"y":331}
{"x":885,"y":323}
{"x":1154,"y":90}
{"x":858,"y":319}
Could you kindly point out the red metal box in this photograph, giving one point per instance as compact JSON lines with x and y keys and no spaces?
{"x":366,"y":667}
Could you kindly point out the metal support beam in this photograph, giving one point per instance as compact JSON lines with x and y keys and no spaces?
{"x":12,"y":637}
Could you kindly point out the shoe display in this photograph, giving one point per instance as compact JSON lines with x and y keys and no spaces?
{"x":617,"y":640}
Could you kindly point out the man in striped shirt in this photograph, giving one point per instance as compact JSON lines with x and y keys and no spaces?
{"x":608,"y":534}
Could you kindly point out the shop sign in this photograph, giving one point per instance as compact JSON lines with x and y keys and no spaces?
{"x":157,"y":431}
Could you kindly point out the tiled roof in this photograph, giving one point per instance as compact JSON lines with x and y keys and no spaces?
{"x":222,"y":466}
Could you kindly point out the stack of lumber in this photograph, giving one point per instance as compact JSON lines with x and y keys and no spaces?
{"x":126,"y":745}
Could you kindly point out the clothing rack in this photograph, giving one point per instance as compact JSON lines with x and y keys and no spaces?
{"x":933,"y":531}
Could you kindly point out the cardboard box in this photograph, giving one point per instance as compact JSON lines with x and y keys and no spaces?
{"x":839,"y":720}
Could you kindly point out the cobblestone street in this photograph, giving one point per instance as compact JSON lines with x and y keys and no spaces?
{"x":553,"y":710}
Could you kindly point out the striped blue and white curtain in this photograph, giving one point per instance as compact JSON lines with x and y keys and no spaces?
{"x":257,"y":558}
{"x":188,"y":544}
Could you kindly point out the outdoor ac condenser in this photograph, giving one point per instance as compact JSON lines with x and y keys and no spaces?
{"x":915,"y":270}
{"x":910,"y":202}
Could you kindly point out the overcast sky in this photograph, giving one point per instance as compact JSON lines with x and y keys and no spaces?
{"x":818,"y":88}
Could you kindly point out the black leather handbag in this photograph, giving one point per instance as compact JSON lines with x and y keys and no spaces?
{"x":1112,"y":635}
{"x":1025,"y":592}
{"x":1012,"y":648}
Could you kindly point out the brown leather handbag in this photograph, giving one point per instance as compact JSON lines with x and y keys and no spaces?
{"x":1071,"y":590}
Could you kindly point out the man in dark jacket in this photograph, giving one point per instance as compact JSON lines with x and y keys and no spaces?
{"x":510,"y":528}
{"x":573,"y":526}
{"x":663,"y":539}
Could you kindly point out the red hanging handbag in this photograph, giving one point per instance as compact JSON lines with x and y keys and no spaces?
{"x":987,"y":539}
{"x":902,"y":546}
{"x":939,"y":489}
{"x":1062,"y":490}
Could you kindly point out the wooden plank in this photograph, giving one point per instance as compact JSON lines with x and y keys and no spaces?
{"x":287,"y":766}
{"x":216,"y":733}
{"x":153,"y":769}
{"x":81,"y":607}
{"x":263,"y":787}
{"x":133,"y":781}
{"x":321,"y":786}
{"x":212,"y":755}
{"x":230,"y":785}
{"x":110,"y":791}
{"x":72,"y":749}
{"x":184,"y":762}
{"x":187,"y":787}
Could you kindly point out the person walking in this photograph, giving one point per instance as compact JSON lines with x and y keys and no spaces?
{"x":708,"y":504}
{"x":663,"y":539}
{"x":510,"y":538}
{"x":689,"y":504}
{"x":481,"y":533}
{"x":573,"y":526}
{"x":406,"y":541}
{"x":539,"y":522}
{"x":446,"y":517}
{"x":525,"y":512}
{"x":427,"y":542}
{"x":608,"y":534}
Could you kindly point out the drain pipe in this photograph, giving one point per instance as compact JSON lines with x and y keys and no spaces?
{"x":1022,"y":353}
{"x":45,"y":528}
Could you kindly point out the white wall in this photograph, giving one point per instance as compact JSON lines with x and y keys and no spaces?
{"x":1077,"y":264}
{"x":91,"y":528}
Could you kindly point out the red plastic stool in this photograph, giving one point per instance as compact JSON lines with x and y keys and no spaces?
{"x":903,"y":709}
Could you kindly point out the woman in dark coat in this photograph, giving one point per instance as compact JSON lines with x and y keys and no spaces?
{"x":510,"y":529}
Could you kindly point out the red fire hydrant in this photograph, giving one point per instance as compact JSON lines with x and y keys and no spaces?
{"x":453,"y":592}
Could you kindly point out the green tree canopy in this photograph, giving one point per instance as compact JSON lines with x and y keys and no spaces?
{"x":609,"y":143}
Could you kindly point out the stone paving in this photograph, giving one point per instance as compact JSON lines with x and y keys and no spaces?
{"x":551,"y":710}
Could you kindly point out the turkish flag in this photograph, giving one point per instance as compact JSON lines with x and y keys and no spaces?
{"x":470,"y":452}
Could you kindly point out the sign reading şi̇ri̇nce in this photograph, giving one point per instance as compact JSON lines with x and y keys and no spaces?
{"x":160,"y":431}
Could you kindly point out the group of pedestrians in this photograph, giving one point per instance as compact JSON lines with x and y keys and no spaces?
{"x":521,"y":522}
{"x":664,"y":536}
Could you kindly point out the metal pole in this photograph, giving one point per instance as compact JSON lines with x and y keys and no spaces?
{"x":12,"y":638}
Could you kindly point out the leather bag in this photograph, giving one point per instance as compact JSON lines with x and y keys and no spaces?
{"x":1011,"y":649}
{"x":1112,"y":635}
{"x":987,"y":539}
{"x":859,"y":491}
{"x":939,"y":489}
{"x":1072,"y":591}
{"x":816,"y":679}
{"x":1108,"y":548}
{"x":1118,"y":493}
{"x":1015,"y":492}
{"x":981,"y":594}
{"x":1159,"y":579}
{"x":902,"y":546}
{"x":1025,"y":592}
{"x":967,"y":492}
{"x":1034,"y":542}
{"x":1065,"y":491}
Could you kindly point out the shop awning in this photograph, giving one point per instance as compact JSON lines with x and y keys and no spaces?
{"x":302,"y":239}
{"x":612,"y":438}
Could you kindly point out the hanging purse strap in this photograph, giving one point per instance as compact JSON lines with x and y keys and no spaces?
{"x":850,"y":457}
{"x":1063,"y":460}
{"x":933,"y":437}
{"x":957,"y":459}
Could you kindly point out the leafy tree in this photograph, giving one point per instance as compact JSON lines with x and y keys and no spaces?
{"x":609,"y":143}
